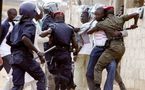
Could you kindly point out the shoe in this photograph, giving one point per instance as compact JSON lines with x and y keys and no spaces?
{"x":122,"y":86}
{"x":97,"y":87}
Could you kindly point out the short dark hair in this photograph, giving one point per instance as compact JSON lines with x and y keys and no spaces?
{"x":100,"y":9}
{"x":10,"y":10}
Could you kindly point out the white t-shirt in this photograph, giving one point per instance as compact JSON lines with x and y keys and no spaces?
{"x":99,"y":37}
{"x":5,"y":48}
{"x":38,"y":42}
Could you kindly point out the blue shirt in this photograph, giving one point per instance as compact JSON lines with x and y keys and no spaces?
{"x":27,"y":29}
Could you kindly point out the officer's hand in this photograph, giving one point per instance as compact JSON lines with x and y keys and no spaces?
{"x":40,"y":55}
{"x":117,"y":34}
{"x":42,"y":60}
{"x":133,"y":26}
{"x":76,"y":29}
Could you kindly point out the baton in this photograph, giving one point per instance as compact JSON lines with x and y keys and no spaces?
{"x":45,"y":52}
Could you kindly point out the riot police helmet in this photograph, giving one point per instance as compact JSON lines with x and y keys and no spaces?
{"x":28,"y":10}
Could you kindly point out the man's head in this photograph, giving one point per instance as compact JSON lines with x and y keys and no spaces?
{"x":12,"y":13}
{"x":99,"y":14}
{"x":59,"y":16}
{"x":39,"y":15}
{"x":109,"y":10}
{"x":85,"y":17}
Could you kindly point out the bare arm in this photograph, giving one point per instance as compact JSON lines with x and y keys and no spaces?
{"x":75,"y":45}
{"x":46,"y":32}
{"x":130,"y":16}
{"x":28,"y":43}
{"x":92,"y":30}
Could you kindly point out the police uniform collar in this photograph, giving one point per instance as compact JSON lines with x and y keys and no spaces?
{"x":26,"y":20}
{"x":59,"y":21}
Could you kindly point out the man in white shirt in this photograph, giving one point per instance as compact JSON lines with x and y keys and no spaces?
{"x":99,"y":41}
{"x":83,"y":55}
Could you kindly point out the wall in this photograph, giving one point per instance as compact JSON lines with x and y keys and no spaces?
{"x":133,"y":62}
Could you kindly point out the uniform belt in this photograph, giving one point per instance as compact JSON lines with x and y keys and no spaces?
{"x":100,"y":46}
{"x":63,"y":47}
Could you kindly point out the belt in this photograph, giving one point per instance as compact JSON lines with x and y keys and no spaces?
{"x":63,"y":47}
{"x":100,"y":46}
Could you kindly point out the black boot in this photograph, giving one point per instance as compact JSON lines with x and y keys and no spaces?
{"x":97,"y":87}
{"x":122,"y":86}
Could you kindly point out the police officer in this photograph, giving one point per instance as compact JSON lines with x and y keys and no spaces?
{"x":21,"y":41}
{"x":46,"y":21}
{"x":62,"y":35}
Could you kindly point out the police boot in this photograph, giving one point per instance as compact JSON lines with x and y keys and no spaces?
{"x":122,"y":86}
{"x":97,"y":87}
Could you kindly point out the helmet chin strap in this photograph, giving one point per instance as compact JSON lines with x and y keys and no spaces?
{"x":38,"y":11}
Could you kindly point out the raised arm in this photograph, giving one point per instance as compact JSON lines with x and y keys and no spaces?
{"x":92,"y":30}
{"x":46,"y":32}
{"x":130,"y":16}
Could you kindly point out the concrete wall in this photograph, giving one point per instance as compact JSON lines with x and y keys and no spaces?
{"x":133,"y":62}
{"x":134,"y":3}
{"x":92,"y":2}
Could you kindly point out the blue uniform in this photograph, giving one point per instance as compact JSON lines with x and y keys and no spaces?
{"x":22,"y":56}
{"x":46,"y":21}
{"x":62,"y":35}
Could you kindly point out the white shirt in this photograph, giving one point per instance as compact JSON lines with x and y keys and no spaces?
{"x":38,"y":42}
{"x":5,"y":48}
{"x":87,"y":46}
{"x":99,"y":37}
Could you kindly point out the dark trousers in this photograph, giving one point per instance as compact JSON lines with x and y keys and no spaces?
{"x":63,"y":72}
{"x":6,"y":64}
{"x":30,"y":66}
